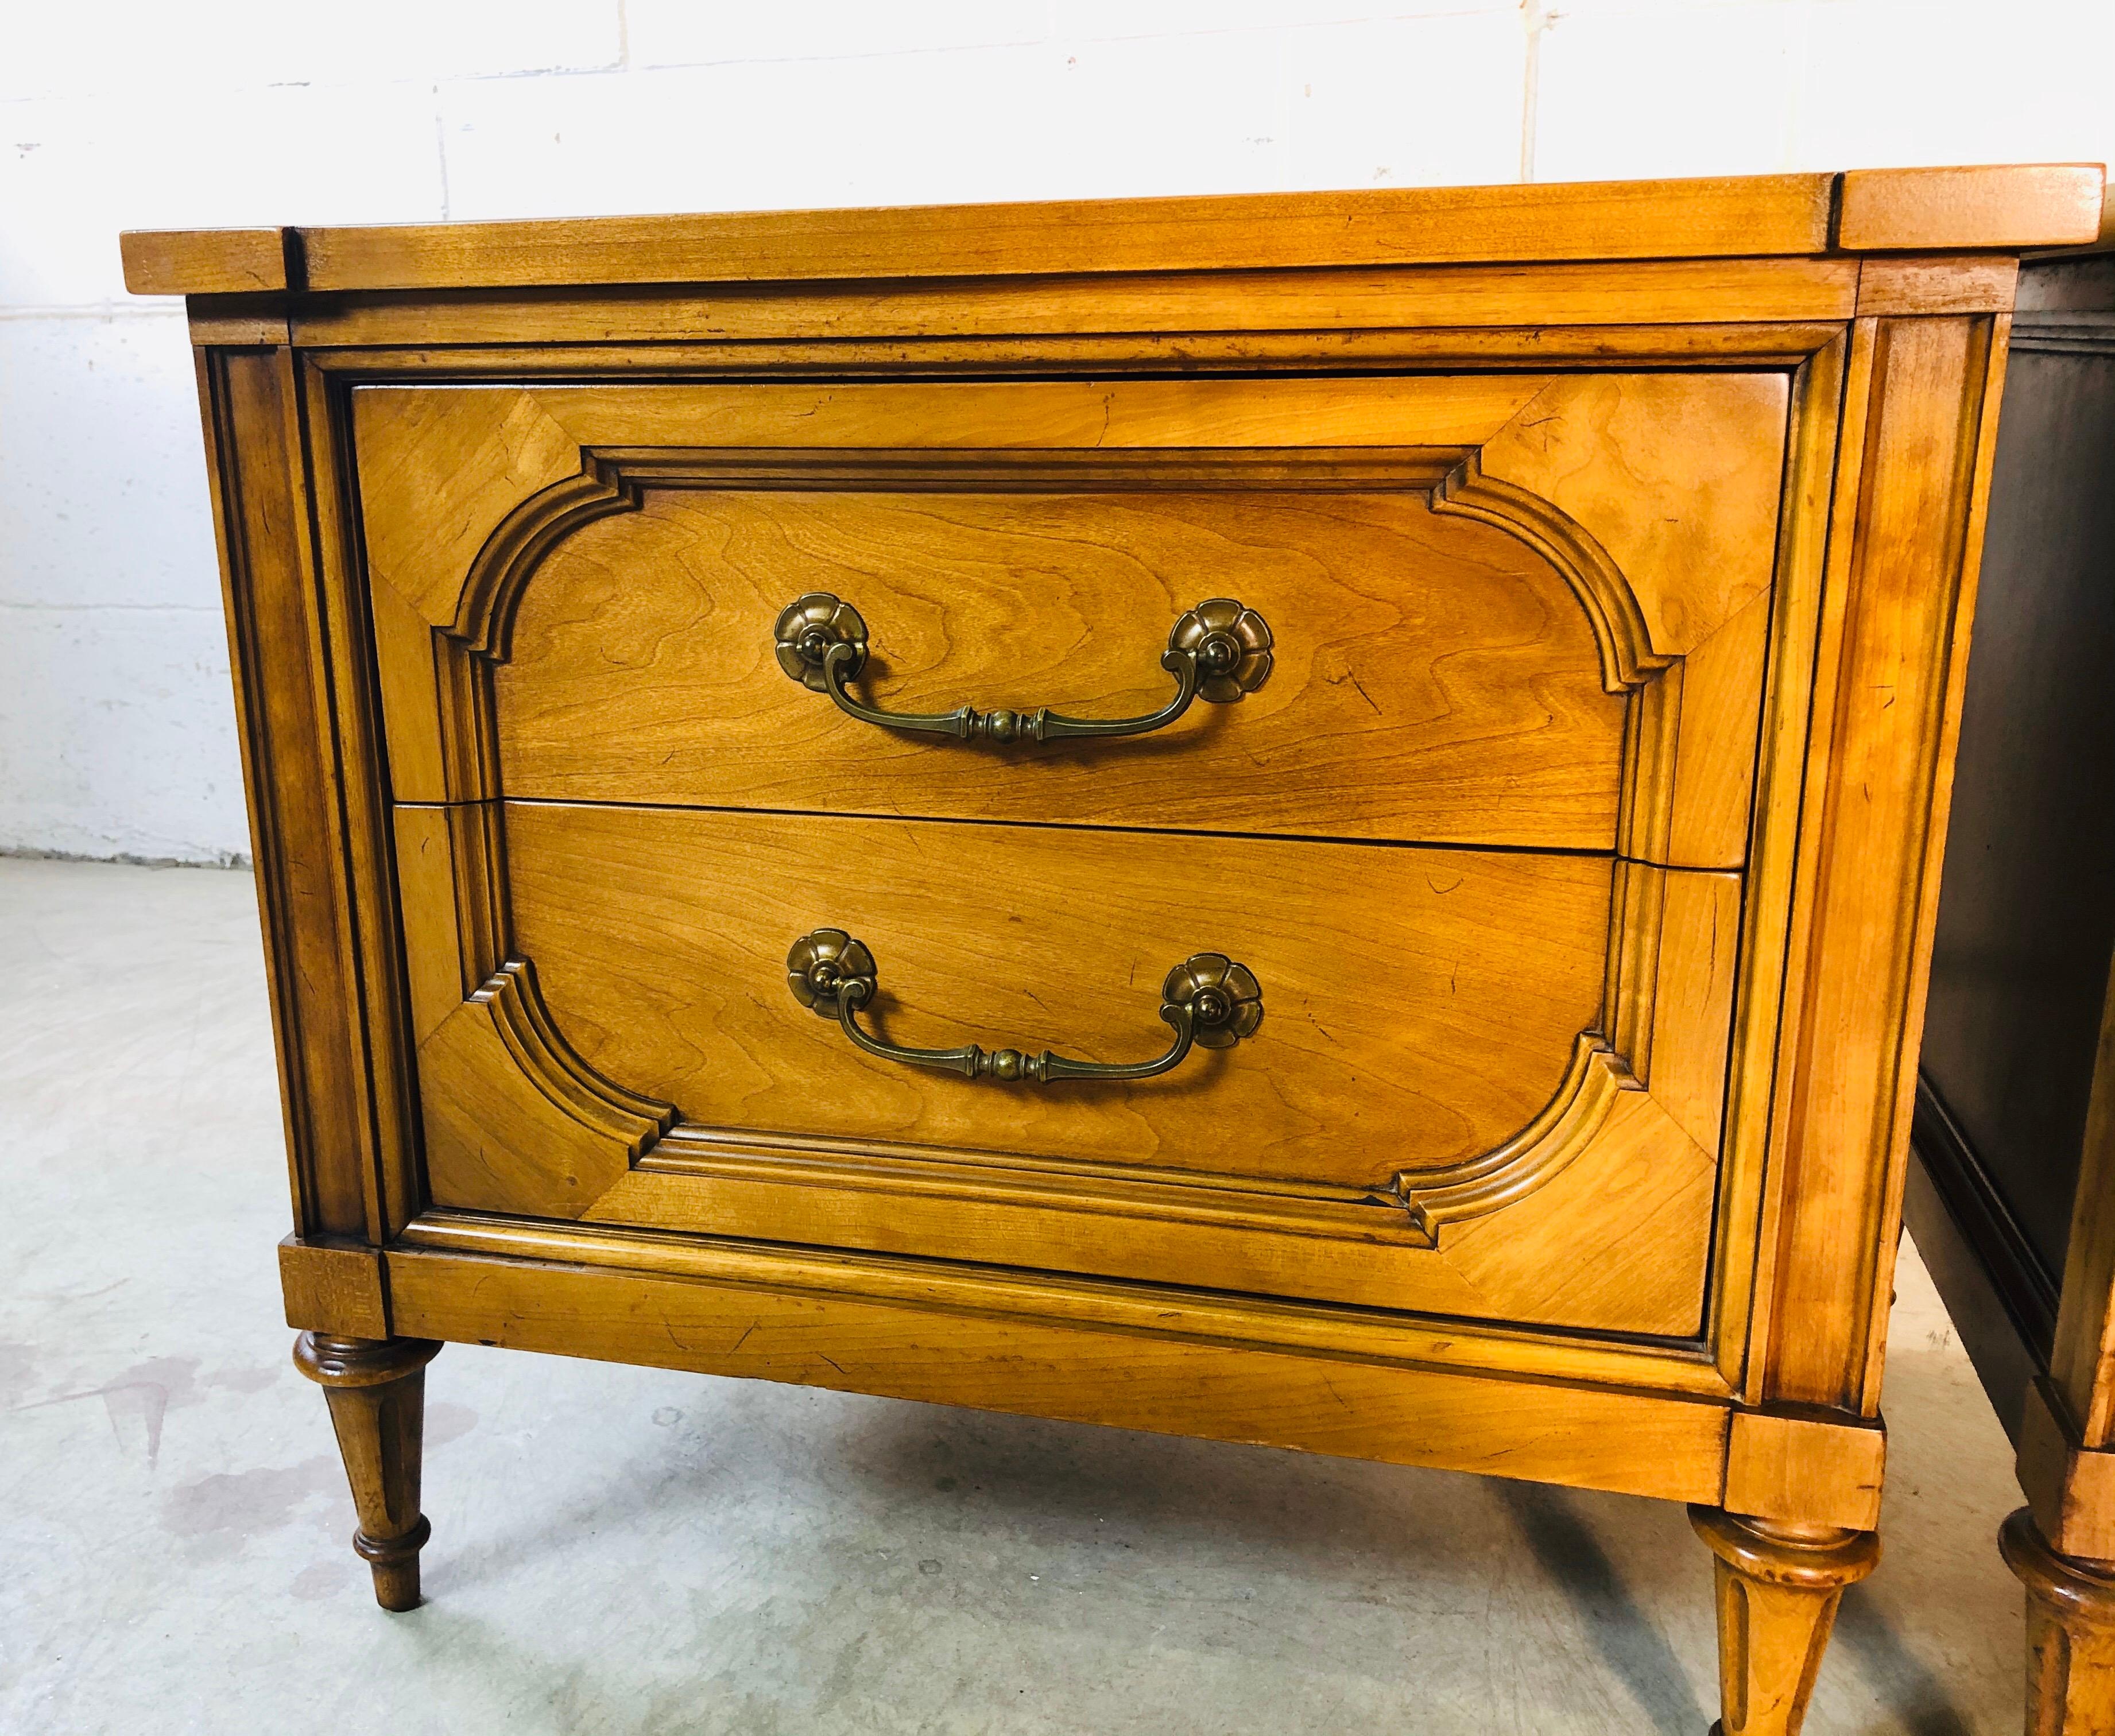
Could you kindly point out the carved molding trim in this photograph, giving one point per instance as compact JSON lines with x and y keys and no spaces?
{"x":1410,"y":1207}
{"x":1628,"y":660}
{"x":610,"y":481}
{"x":2059,"y":334}
{"x":1651,"y":679}
{"x":1033,"y":469}
{"x":515,"y":1118}
{"x":1418,"y":1202}
{"x":1534,"y":1155}
{"x":484,"y":613}
{"x":1152,"y":1309}
{"x":1185,"y":1196}
{"x":597,"y":1103}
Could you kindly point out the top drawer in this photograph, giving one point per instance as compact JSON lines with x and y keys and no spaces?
{"x":1508,"y":609}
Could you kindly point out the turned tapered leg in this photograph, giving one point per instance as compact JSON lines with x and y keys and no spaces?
{"x":1778,"y":1589}
{"x":2071,"y":1633}
{"x":376,"y":1390}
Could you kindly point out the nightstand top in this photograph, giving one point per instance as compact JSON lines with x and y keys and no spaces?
{"x":1997,"y":208}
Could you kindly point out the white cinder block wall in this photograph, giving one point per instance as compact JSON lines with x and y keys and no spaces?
{"x":117,"y":734}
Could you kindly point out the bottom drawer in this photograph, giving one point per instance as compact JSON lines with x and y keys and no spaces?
{"x":1444,"y":1107}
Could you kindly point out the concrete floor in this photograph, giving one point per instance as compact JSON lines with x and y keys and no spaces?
{"x":620,"y":1549}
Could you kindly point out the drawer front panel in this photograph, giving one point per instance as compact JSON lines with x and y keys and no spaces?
{"x":1427,"y":999}
{"x":1507,"y":609}
{"x":1485,"y":1083}
{"x":1433,"y":678}
{"x":1480,"y":835}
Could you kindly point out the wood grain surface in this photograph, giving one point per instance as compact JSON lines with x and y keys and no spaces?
{"x":1695,"y":218}
{"x":1777,"y":1588}
{"x":1019,"y":527}
{"x":278,"y":641}
{"x":376,"y":1389}
{"x":1573,"y":1195}
{"x":1920,"y":420}
{"x":1022,"y":1361}
{"x":203,"y":261}
{"x":1173,"y":308}
{"x":2039,"y":204}
{"x":1420,"y":1009}
{"x":2030,"y":205}
{"x":2071,"y":1633}
{"x":1435,"y":679}
{"x":440,"y":468}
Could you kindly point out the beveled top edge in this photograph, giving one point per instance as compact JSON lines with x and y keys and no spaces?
{"x":2046,"y":204}
{"x":1999,"y":207}
{"x":2102,"y":243}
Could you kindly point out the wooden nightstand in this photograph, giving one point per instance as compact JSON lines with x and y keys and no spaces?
{"x":1437,"y":708}
{"x":2014,"y":1204}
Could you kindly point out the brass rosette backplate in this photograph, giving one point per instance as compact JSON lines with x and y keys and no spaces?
{"x":806,"y":629}
{"x":1232,"y":644}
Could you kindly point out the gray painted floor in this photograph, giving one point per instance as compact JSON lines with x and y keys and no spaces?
{"x":620,"y":1549}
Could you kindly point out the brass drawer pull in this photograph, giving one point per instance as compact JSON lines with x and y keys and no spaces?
{"x":1209,"y":1000}
{"x":1217,"y":651}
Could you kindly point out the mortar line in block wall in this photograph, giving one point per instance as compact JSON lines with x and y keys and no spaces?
{"x":1534,"y":21}
{"x":31,"y":606}
{"x":145,"y":307}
